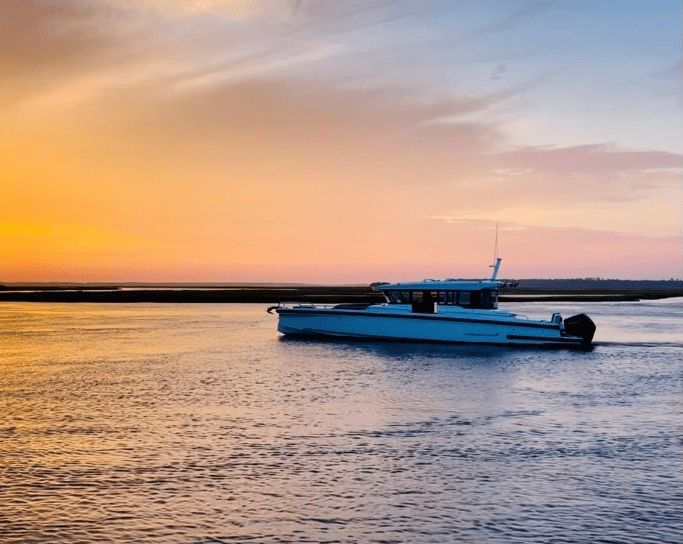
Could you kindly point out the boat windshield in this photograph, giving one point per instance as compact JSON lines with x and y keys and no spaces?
{"x":398,"y":297}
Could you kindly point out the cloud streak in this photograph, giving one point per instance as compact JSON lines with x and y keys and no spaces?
{"x":514,"y":19}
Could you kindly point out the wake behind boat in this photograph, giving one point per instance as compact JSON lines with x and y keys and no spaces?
{"x":454,"y":311}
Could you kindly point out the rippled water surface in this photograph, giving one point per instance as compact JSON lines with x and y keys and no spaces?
{"x":199,"y":423}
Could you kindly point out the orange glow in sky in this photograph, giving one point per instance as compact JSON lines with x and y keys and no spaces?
{"x":268,"y":140}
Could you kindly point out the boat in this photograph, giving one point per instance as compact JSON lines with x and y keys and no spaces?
{"x":450,"y":311}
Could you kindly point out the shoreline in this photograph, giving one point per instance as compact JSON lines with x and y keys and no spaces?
{"x":314,"y":294}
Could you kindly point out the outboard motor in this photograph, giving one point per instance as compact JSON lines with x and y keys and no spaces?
{"x":580,"y":325}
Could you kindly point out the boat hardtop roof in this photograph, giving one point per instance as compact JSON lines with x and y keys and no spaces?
{"x":442,"y":285}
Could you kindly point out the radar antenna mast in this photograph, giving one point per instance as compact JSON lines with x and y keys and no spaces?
{"x":496,"y":258}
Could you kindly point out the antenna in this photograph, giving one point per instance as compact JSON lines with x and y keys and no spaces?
{"x":495,"y":249}
{"x":496,"y":258}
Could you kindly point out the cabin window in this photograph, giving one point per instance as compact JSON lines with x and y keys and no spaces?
{"x":397,"y":297}
{"x":489,"y":299}
{"x":484,"y":299}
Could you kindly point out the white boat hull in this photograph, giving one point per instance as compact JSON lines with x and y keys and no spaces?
{"x":480,"y":328}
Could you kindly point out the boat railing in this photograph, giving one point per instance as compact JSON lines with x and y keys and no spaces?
{"x":282,"y":305}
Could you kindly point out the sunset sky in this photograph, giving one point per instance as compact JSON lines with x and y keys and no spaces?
{"x":339,"y":142}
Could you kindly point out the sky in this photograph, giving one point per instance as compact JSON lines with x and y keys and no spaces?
{"x":339,"y":142}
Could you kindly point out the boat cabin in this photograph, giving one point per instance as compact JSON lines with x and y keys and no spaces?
{"x":426,"y":297}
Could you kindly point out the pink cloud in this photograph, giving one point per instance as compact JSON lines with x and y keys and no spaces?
{"x":600,"y":158}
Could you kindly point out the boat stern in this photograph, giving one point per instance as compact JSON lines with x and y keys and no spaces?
{"x":582,"y":326}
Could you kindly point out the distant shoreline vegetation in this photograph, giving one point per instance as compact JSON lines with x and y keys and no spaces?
{"x":533,"y":290}
{"x":568,"y":283}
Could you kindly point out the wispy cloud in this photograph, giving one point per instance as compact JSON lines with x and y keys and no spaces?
{"x":498,"y":71}
{"x":591,"y":158}
{"x":674,"y":71}
{"x":515,"y":18}
{"x":49,"y":44}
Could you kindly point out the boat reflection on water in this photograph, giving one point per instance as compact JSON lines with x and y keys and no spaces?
{"x":399,"y":349}
{"x":407,"y":349}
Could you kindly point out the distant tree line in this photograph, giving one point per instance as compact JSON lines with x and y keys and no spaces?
{"x":601,"y":283}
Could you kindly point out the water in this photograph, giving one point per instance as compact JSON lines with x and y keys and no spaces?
{"x":198,"y":423}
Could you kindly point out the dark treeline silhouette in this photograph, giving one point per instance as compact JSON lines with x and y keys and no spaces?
{"x":601,"y":283}
{"x":584,"y":289}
